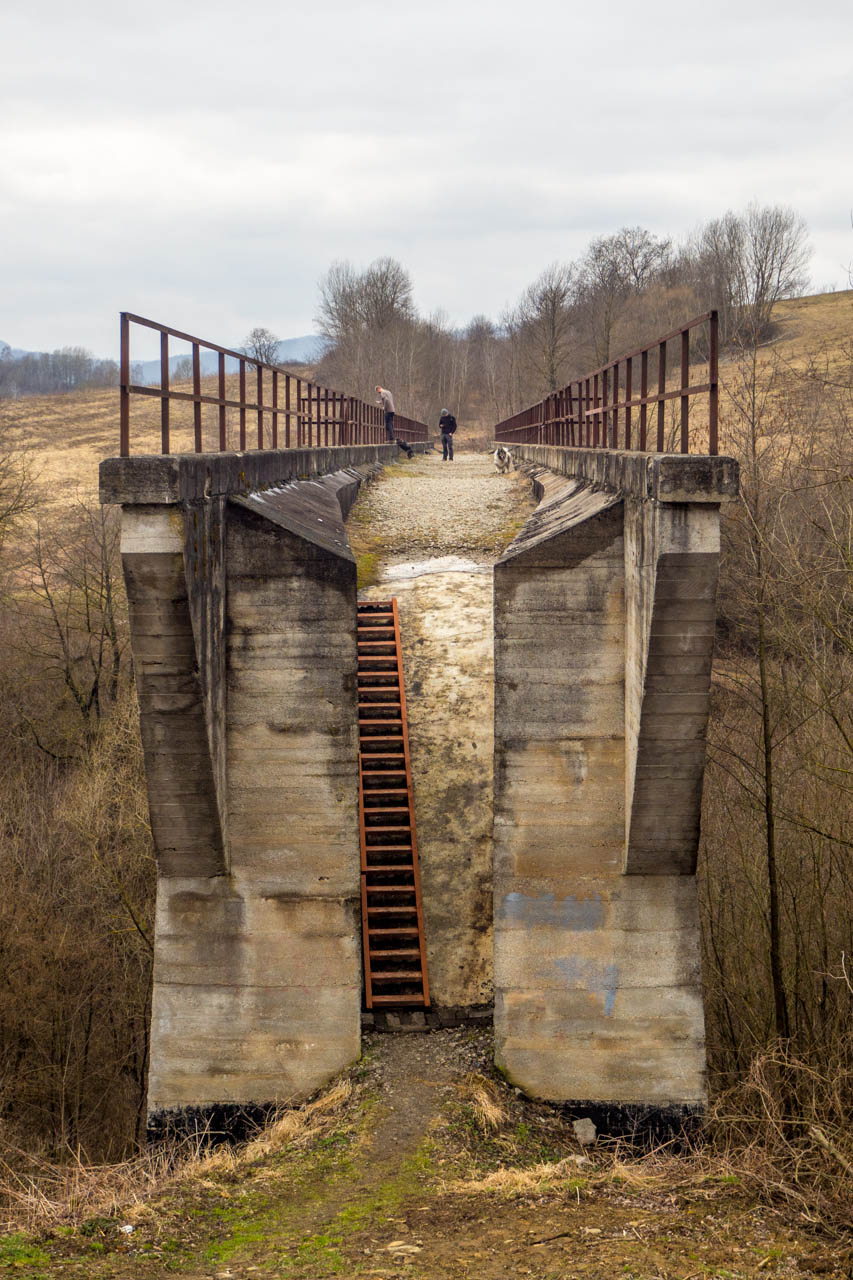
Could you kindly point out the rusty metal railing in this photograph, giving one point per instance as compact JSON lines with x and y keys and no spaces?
{"x":596,"y":411}
{"x":295,"y":414}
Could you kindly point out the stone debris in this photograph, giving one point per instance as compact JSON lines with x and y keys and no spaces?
{"x":585,"y":1131}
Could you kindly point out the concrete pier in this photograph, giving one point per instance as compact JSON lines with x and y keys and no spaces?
{"x":604,"y":610}
{"x":242,"y":592}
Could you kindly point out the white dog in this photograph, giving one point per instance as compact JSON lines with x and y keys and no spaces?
{"x":503,"y":460}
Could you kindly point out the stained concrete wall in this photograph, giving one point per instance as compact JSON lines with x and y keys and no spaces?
{"x":243,"y":628}
{"x":603,"y":628}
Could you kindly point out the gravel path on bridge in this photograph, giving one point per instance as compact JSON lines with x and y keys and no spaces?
{"x":428,"y":508}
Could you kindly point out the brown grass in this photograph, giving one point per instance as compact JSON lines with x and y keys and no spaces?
{"x":37,"y":1194}
{"x":485,"y":1102}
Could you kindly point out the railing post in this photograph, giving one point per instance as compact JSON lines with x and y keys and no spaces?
{"x":685,"y":383}
{"x":199,"y":445}
{"x":275,"y":408}
{"x":242,"y":405}
{"x":713,"y":392}
{"x":223,"y":429}
{"x":260,"y":372}
{"x":628,"y":393}
{"x":661,"y":392}
{"x":605,"y":417}
{"x":124,"y":384}
{"x":164,"y":393}
{"x":644,"y":391}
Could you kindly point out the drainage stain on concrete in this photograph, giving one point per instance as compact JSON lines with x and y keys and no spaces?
{"x":546,"y":909}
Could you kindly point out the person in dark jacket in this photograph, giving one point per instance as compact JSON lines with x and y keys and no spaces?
{"x":447,"y":426}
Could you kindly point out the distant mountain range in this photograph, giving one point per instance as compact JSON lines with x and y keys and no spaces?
{"x":304,"y":350}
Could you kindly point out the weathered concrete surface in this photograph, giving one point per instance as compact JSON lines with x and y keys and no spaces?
{"x":243,"y":625}
{"x":672,"y":553}
{"x":182,"y":736}
{"x":603,"y":631}
{"x":446,"y":634}
{"x":198,"y":477}
{"x":665,"y":477}
{"x":437,"y":527}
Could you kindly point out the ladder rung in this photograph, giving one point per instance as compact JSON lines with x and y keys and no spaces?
{"x":395,"y":952}
{"x":399,"y":1000}
{"x":392,"y":911}
{"x":394,"y":866}
{"x":381,"y":933}
{"x":395,"y":975}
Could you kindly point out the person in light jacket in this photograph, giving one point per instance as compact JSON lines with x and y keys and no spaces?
{"x":387,"y":402}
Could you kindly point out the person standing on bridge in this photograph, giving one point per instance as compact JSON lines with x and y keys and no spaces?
{"x":387,"y":402}
{"x":447,"y":426}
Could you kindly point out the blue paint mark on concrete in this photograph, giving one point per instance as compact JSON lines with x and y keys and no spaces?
{"x":578,"y":914}
{"x":598,"y":979}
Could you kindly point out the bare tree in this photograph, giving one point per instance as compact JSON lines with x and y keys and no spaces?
{"x":17,"y":491}
{"x":748,"y":262}
{"x":261,"y":345}
{"x":613,"y":269}
{"x":542,"y":326}
{"x":369,"y":301}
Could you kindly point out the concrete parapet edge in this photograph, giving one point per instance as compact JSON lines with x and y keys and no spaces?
{"x":664,"y":477}
{"x":193,"y":477}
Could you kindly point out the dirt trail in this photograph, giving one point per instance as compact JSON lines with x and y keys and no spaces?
{"x":430,"y":508}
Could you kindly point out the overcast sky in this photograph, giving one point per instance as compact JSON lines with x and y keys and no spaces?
{"x":203,"y":164}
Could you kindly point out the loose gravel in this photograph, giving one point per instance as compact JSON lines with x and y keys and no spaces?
{"x":431,"y":508}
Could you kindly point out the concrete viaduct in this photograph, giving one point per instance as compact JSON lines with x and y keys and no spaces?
{"x":242,"y":598}
{"x":242,"y":594}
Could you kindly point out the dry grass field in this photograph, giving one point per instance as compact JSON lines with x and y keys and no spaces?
{"x":68,"y":435}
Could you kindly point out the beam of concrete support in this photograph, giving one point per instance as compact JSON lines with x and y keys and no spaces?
{"x":672,"y":554}
{"x":603,"y":631}
{"x":175,"y":617}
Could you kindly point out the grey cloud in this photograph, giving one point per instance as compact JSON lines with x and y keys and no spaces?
{"x":207,"y":168}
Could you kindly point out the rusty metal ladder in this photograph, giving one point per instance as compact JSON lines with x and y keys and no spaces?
{"x":395,"y":966}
